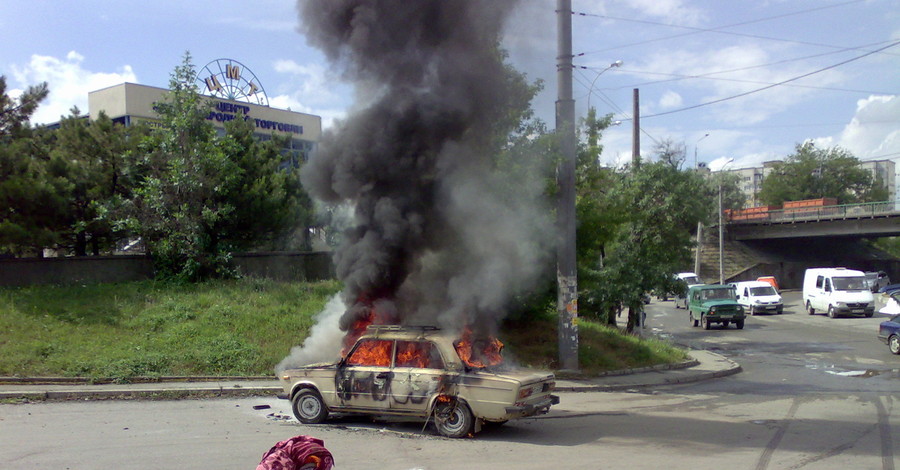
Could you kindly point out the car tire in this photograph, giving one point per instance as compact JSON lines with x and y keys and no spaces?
{"x":308,"y":407}
{"x":725,"y":324}
{"x":894,"y":344}
{"x":694,"y":321}
{"x":809,"y":309}
{"x":739,"y":324}
{"x":830,"y":311}
{"x":870,"y":314}
{"x":705,"y":322}
{"x":453,"y":419}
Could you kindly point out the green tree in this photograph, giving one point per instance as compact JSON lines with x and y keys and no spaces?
{"x":32,"y":198}
{"x":15,"y":113}
{"x":32,"y":195}
{"x":202,"y":196}
{"x":812,"y":173}
{"x":92,"y":155}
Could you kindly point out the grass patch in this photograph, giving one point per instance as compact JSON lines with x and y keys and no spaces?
{"x":601,"y":348}
{"x":228,"y":328}
{"x":239,"y":327}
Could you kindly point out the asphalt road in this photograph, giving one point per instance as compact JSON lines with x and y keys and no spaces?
{"x":795,"y":406}
{"x":790,"y":353}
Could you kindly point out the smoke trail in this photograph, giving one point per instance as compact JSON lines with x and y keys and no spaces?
{"x":439,"y":237}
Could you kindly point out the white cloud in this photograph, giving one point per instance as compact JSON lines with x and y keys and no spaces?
{"x":670,"y":99}
{"x":312,"y":89}
{"x":68,"y":82}
{"x":873,"y":131}
{"x":674,"y":11}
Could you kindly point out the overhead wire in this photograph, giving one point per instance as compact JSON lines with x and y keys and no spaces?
{"x":718,"y":29}
{"x":750,"y":67}
{"x":774,"y":84}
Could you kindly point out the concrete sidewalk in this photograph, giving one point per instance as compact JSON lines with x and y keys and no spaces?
{"x":704,"y":365}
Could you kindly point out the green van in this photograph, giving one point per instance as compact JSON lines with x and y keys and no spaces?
{"x":714,"y":303}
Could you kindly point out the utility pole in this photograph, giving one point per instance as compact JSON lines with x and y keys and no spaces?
{"x":566,"y":274}
{"x":636,"y":132}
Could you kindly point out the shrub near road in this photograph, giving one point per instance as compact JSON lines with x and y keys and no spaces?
{"x":236,"y":327}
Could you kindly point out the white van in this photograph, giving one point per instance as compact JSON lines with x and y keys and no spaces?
{"x":758,"y":297}
{"x":690,"y":279}
{"x":837,"y":291}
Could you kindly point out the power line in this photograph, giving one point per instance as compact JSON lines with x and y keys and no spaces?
{"x":774,"y":84}
{"x":718,"y":29}
{"x":750,"y":67}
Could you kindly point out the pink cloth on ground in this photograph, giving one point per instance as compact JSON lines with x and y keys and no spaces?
{"x":297,"y":453}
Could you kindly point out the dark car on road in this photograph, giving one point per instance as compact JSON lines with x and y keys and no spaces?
{"x":889,"y":333}
{"x":889,"y":330}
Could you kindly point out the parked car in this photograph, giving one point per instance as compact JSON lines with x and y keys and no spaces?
{"x":837,"y":291}
{"x":758,"y":297}
{"x":419,"y":373}
{"x":688,"y":280}
{"x":877,"y":280}
{"x":889,"y":330}
{"x":714,"y":303}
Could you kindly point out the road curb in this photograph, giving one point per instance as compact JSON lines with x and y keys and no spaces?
{"x":155,"y":393}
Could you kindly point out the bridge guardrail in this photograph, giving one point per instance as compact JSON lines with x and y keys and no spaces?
{"x":806,"y":214}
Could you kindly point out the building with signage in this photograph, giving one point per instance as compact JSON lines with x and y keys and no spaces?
{"x":130,"y":103}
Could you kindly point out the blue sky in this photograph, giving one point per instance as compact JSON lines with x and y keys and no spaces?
{"x":815,"y":63}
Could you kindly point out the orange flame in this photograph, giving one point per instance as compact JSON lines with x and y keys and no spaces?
{"x":374,"y":352}
{"x":479,"y":352}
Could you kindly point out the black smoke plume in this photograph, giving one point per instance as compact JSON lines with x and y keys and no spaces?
{"x":436,"y":239}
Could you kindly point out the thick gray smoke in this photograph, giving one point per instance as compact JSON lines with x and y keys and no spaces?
{"x":437,"y":239}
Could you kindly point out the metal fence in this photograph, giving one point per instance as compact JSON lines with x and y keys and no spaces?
{"x":807,"y":214}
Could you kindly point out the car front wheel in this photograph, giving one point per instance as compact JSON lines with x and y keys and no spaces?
{"x":453,"y":419}
{"x":894,"y":344}
{"x":308,"y":407}
{"x":739,"y":324}
{"x":705,"y":322}
{"x":830,"y":311}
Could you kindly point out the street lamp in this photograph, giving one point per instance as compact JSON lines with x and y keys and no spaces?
{"x":721,"y":231}
{"x":617,"y":63}
{"x":695,"y":149}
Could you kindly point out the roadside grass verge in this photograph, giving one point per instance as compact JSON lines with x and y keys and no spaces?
{"x":239,"y":327}
{"x":601,"y":348}
{"x":229,"y":328}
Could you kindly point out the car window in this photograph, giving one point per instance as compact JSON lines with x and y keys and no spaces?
{"x":419,"y":354}
{"x":819,"y":282}
{"x":849,"y":283}
{"x":371,"y":352}
{"x":767,"y":290}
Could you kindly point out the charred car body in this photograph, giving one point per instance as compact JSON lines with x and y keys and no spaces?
{"x":421,"y":373}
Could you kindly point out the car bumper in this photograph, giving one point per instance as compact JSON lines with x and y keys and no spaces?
{"x":532,"y":409}
{"x":774,"y":308}
{"x":854,"y":311}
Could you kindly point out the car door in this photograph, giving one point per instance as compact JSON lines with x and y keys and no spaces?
{"x":364,"y":378}
{"x":418,"y":374}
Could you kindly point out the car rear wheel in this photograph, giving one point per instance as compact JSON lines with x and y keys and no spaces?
{"x":894,"y":344}
{"x":308,"y":407}
{"x":809,"y":309}
{"x":453,"y":419}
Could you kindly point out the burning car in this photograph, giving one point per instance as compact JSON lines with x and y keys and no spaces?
{"x":420,"y":373}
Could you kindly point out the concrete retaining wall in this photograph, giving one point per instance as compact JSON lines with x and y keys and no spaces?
{"x":282,"y":266}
